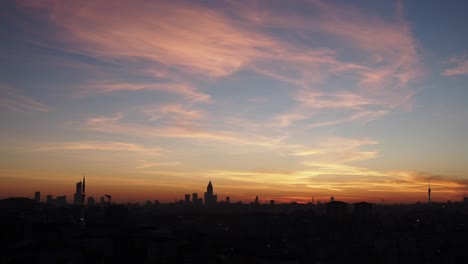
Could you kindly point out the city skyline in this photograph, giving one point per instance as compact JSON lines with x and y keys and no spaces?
{"x":208,"y":200}
{"x":359,"y":101}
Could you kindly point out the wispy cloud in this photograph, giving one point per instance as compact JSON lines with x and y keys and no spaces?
{"x":14,"y":100}
{"x":145,"y":164}
{"x":189,"y":44}
{"x":200,"y":41}
{"x":389,"y":53}
{"x":459,"y":66}
{"x":187,"y":36}
{"x":329,"y":149}
{"x":338,"y":150}
{"x":95,"y":145}
{"x":174,"y":113}
{"x":340,"y":100}
{"x":184,"y":90}
{"x":116,"y":125}
{"x":364,"y":116}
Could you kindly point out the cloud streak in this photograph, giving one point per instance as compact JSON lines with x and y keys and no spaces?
{"x":116,"y":125}
{"x":176,"y":113}
{"x":460,"y":66}
{"x":13,"y":100}
{"x":95,"y":145}
{"x":186,"y":91}
{"x":200,"y":41}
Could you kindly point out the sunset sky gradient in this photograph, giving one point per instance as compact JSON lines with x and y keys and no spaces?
{"x":360,"y":100}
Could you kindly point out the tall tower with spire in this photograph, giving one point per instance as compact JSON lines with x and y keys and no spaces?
{"x":429,"y":192}
{"x":83,"y":195}
{"x":210,"y":198}
{"x":209,"y":188}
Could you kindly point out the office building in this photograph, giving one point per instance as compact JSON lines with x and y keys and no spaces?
{"x":37,"y":197}
{"x":77,"y":195}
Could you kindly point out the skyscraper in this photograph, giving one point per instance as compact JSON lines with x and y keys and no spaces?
{"x":77,"y":195}
{"x":210,"y":198}
{"x":195,"y":199}
{"x":37,"y":197}
{"x":429,"y":192}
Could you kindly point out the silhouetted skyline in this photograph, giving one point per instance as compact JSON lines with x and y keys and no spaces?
{"x":210,"y":199}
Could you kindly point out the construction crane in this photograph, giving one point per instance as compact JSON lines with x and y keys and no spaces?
{"x":83,"y":196}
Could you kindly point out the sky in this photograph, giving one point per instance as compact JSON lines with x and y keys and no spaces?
{"x":287,"y":100}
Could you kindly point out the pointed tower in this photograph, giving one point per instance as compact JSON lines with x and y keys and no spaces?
{"x":429,"y":191}
{"x":210,"y":198}
{"x":209,"y":188}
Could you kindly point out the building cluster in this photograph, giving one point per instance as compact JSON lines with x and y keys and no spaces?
{"x":78,"y":197}
{"x":209,"y":199}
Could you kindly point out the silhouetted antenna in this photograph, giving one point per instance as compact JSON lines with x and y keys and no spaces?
{"x":83,"y":195}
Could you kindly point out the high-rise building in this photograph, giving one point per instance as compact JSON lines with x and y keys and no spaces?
{"x":228,"y":200}
{"x":210,"y":198}
{"x":37,"y":197}
{"x":50,"y":199}
{"x":187,"y":199}
{"x":257,"y":201}
{"x":77,"y":195}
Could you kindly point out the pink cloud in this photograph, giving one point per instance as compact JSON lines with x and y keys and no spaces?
{"x":190,"y":37}
{"x":387,"y":55}
{"x":185,"y":44}
{"x":210,"y":43}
